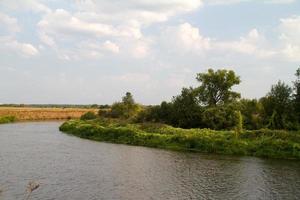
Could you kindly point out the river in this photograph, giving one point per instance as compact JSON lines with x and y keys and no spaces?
{"x":68,"y":167}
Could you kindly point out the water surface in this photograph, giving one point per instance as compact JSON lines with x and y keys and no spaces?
{"x":68,"y":167}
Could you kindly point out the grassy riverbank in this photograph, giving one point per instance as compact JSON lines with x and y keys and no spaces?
{"x":262,"y":143}
{"x":29,"y":113}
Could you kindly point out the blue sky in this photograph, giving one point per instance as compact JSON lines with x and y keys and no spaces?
{"x":88,"y":51}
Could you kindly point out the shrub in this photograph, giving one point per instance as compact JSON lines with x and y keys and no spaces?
{"x":104,"y":113}
{"x":88,"y":116}
{"x":7,"y":119}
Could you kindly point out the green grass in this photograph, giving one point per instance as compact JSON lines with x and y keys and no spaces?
{"x":7,"y":119}
{"x":262,"y":143}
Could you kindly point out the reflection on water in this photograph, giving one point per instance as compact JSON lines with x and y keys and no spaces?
{"x":72,"y":168}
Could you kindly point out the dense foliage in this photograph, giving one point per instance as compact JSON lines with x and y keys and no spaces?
{"x":214,"y":105}
{"x":265,"y":143}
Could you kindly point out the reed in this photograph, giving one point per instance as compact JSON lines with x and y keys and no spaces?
{"x":26,"y":113}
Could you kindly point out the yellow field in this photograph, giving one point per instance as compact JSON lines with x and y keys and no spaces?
{"x":43,"y":113}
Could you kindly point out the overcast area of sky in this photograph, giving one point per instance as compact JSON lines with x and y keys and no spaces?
{"x":88,"y":51}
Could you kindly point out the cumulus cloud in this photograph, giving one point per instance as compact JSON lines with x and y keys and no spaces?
{"x":63,"y":30}
{"x":289,"y":35}
{"x":140,"y":12}
{"x":9,"y":23}
{"x":9,"y":27}
{"x":110,"y":46}
{"x":24,"y":49}
{"x":186,"y":37}
{"x":252,"y":44}
{"x":103,"y":21}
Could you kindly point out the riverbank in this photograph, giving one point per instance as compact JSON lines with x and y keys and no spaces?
{"x":261,"y":143}
{"x":30,"y":114}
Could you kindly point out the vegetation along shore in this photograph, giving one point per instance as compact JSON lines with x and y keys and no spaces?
{"x":210,"y":118}
{"x":262,"y":143}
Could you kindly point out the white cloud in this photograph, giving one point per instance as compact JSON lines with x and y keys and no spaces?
{"x":103,"y":18}
{"x":25,"y":5}
{"x":184,"y":37}
{"x":61,"y":22}
{"x":64,"y":31}
{"x":252,"y":44}
{"x":187,"y":38}
{"x":8,"y":38}
{"x":9,"y":23}
{"x":290,"y":37}
{"x":110,"y":46}
{"x":47,"y":39}
{"x":141,"y":12}
{"x":24,"y":49}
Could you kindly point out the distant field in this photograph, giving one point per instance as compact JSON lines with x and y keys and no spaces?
{"x":43,"y":113}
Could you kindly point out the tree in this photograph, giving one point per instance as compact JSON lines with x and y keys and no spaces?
{"x":252,"y":111}
{"x":125,"y":109}
{"x":162,"y":113}
{"x":216,"y":87}
{"x":128,"y":99}
{"x":186,"y":110}
{"x":297,"y":94}
{"x":278,"y":105}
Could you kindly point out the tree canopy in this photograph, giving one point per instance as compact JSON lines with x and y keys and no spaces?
{"x":216,"y":87}
{"x":214,"y":104}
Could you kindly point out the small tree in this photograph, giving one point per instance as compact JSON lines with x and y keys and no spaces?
{"x":125,"y":109}
{"x":128,"y":99}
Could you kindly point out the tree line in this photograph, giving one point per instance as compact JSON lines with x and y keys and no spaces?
{"x":213,"y":104}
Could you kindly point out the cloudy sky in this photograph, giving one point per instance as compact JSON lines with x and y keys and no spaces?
{"x":93,"y":51}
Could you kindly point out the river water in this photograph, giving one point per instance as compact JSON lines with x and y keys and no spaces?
{"x":68,"y":167}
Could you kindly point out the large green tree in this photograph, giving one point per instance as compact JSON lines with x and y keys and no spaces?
{"x":215,"y":88}
{"x":278,"y":105}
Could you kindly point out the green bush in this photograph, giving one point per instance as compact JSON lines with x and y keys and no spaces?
{"x":7,"y":119}
{"x":88,"y":116}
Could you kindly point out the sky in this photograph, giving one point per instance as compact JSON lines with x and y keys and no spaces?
{"x":94,"y":51}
